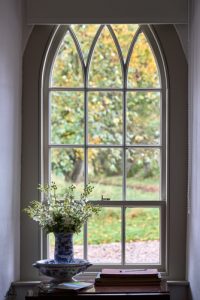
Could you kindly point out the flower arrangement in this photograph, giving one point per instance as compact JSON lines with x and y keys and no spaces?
{"x":66,"y":215}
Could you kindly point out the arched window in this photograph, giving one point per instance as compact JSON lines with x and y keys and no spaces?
{"x":131,"y":214}
{"x":104,"y":122}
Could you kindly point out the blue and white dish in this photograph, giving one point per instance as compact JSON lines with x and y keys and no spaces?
{"x":61,"y":272}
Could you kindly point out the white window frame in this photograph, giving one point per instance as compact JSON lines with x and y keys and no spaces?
{"x":47,"y":146}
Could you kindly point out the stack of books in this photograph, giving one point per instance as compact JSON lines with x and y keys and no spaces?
{"x":128,"y":277}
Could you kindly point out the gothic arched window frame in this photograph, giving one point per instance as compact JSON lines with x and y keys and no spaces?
{"x":47,"y":88}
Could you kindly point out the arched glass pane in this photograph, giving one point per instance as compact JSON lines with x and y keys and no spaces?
{"x":105,"y":118}
{"x":67,"y":117}
{"x":67,"y":70}
{"x":143,"y":71}
{"x":143,"y":118}
{"x":125,"y":34}
{"x":105,"y":70}
{"x":85,"y":34}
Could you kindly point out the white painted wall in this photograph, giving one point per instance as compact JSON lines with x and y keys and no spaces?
{"x":103,"y":11}
{"x":194,"y":151}
{"x":12,"y":40}
{"x":10,"y":140}
{"x":182,"y":30}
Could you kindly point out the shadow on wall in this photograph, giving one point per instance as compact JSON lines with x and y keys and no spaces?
{"x":11,"y":293}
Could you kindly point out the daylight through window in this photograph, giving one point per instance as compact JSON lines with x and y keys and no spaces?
{"x":105,"y":123}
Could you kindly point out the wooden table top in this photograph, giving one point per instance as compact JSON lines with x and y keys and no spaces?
{"x":119,"y":292}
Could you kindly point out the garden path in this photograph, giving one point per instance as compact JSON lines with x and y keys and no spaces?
{"x":136,"y":252}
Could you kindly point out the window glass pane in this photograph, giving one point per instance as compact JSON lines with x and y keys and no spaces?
{"x":125,"y":34}
{"x":105,"y":69}
{"x":104,"y":236}
{"x":143,"y":71}
{"x":105,"y":173}
{"x":67,"y":117}
{"x":143,"y":118}
{"x":85,"y":34}
{"x":67,"y":70}
{"x":77,"y":242}
{"x":105,"y":118}
{"x":142,"y":236}
{"x":143,"y":174}
{"x":67,"y":167}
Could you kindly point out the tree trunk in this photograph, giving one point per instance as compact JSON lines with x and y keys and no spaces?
{"x":77,"y":173}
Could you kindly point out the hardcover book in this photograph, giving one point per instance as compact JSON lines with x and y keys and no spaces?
{"x":76,"y":285}
{"x":119,"y":273}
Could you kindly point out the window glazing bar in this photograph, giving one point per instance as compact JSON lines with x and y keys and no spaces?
{"x":78,"y":49}
{"x":131,"y":47}
{"x":128,"y":203}
{"x":97,"y":89}
{"x":103,"y":146}
{"x":91,"y":52}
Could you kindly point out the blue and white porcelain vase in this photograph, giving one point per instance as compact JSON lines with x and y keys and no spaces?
{"x":64,"y":266}
{"x":64,"y":250}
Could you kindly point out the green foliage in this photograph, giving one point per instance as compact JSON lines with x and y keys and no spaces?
{"x":67,"y":116}
{"x":67,"y":215}
{"x":67,"y":68}
{"x":143,"y":117}
{"x":143,"y":72}
{"x":105,"y":70}
{"x":105,"y":109}
{"x":105,"y":125}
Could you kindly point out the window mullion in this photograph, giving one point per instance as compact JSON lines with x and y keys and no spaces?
{"x":163,"y":130}
{"x":163,"y":231}
{"x":123,"y":232}
{"x":48,"y":138}
{"x":124,"y":145}
{"x":123,"y":228}
{"x":85,"y":239}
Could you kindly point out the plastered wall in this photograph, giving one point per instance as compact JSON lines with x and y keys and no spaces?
{"x":194,"y":152}
{"x":10,"y":140}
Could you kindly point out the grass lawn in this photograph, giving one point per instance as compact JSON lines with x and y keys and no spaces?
{"x":142,"y":224}
{"x":137,"y":189}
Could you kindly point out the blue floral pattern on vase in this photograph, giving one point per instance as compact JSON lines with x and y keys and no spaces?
{"x":64,"y":251}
